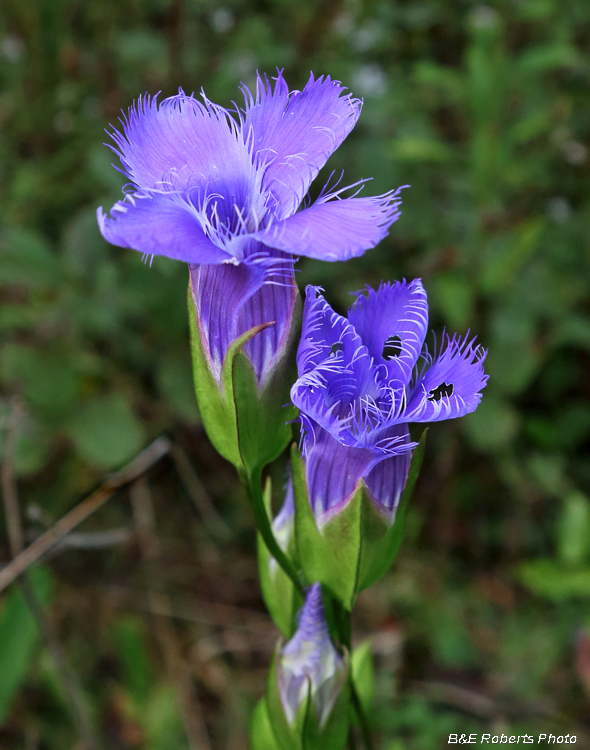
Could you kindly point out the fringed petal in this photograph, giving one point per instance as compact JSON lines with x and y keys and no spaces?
{"x":392,"y":324}
{"x":156,"y":224}
{"x":294,"y":134}
{"x":181,"y":138}
{"x":325,"y":335}
{"x":334,"y":229}
{"x":451,"y":386}
{"x":338,"y":382}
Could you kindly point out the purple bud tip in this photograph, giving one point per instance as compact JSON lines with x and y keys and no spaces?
{"x":312,"y":620}
{"x":310,"y":662}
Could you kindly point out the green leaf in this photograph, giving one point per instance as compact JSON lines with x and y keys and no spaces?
{"x":261,"y":735}
{"x":162,"y":720}
{"x":493,"y":425}
{"x":454,"y":295}
{"x":32,"y":443}
{"x":355,"y":547}
{"x":413,"y":149}
{"x":130,"y":638}
{"x":280,"y":595}
{"x":510,"y":253}
{"x":544,"y":57}
{"x":573,"y":530}
{"x":175,"y":384}
{"x":444,"y":79}
{"x":50,"y":380}
{"x":554,"y":581}
{"x":529,"y":127}
{"x":106,"y":432}
{"x":449,"y":636}
{"x":19,"y":637}
{"x":363,"y":674}
{"x":83,"y":247}
{"x":27,"y":259}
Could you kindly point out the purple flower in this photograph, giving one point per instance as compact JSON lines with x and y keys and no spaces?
{"x":310,"y":662}
{"x":360,"y":385}
{"x":221,"y":191}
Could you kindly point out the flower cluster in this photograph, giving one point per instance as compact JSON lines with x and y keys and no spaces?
{"x":225,"y":191}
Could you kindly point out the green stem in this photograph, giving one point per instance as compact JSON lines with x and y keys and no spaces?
{"x":253,"y":487}
{"x":344,"y":625}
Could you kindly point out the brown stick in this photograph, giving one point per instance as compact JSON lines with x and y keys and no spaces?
{"x":135,"y":468}
{"x":213,"y":521}
{"x":159,"y":602}
{"x":12,"y":510}
{"x":9,"y":491}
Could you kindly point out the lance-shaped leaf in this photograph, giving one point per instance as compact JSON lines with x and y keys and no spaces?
{"x":280,"y":595}
{"x":363,"y":675}
{"x":262,"y":736}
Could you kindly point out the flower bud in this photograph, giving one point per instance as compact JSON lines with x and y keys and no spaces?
{"x":309,"y":693}
{"x":354,"y":545}
{"x":244,"y":322}
{"x":281,"y":597}
{"x":359,"y":387}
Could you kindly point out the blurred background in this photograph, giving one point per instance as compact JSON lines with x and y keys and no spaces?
{"x":155,"y":633}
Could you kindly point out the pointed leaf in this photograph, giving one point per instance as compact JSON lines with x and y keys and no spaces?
{"x":261,"y":735}
{"x":381,"y":542}
{"x":280,"y":595}
{"x":363,"y":674}
{"x":331,"y":555}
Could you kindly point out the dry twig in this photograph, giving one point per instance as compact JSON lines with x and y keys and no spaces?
{"x":11,"y":506}
{"x":159,"y":602}
{"x":9,"y":490}
{"x":213,"y":521}
{"x":44,"y":543}
{"x":192,"y":609}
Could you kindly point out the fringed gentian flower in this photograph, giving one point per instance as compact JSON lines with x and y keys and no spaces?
{"x":221,"y":190}
{"x":310,"y":664}
{"x":360,"y":385}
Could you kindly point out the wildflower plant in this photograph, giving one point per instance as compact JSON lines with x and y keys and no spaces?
{"x":225,"y":191}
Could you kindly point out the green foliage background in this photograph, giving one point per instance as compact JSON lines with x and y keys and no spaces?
{"x":484,"y":110}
